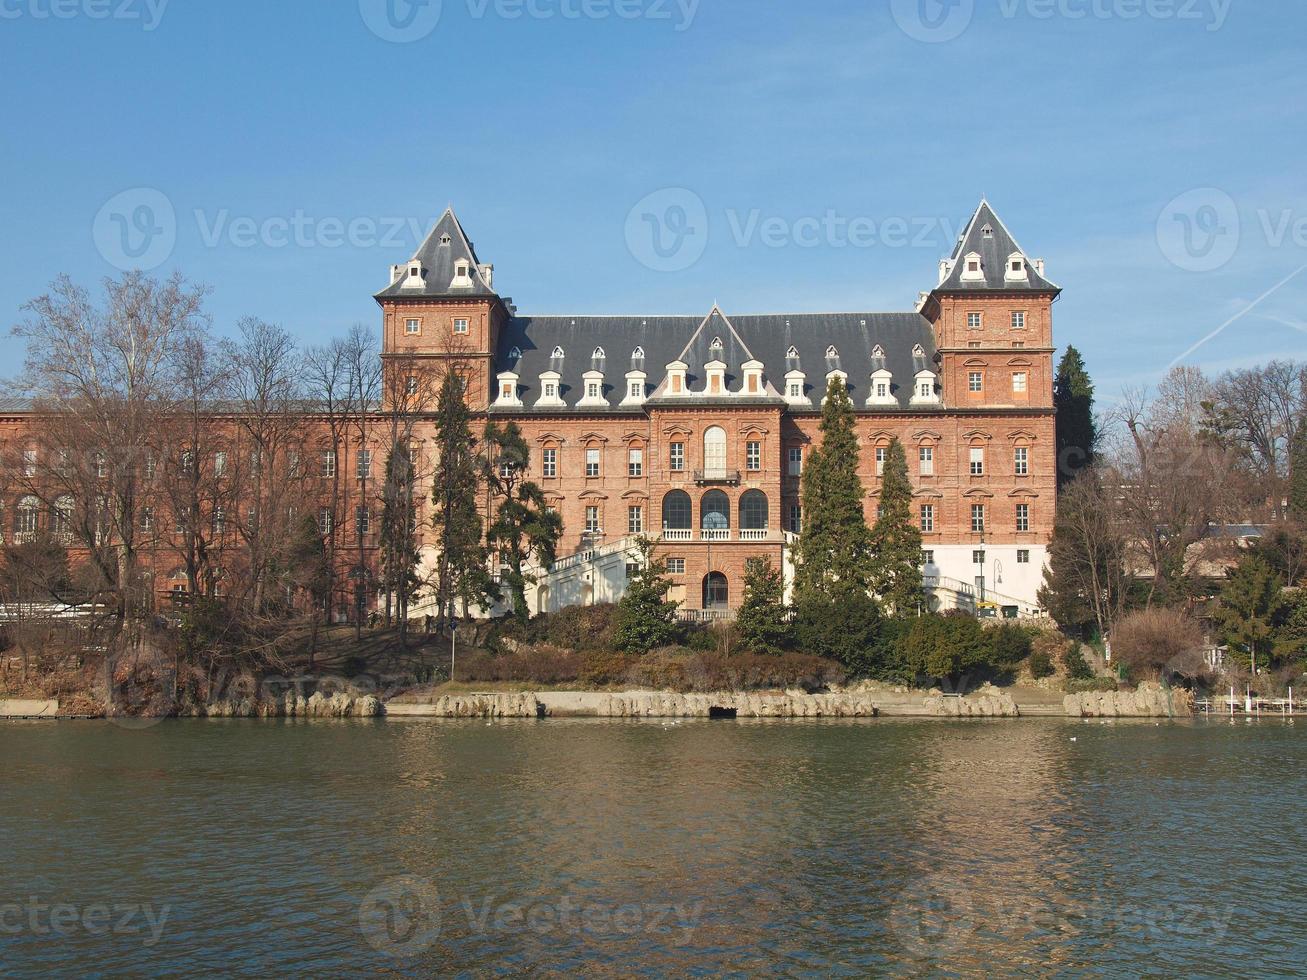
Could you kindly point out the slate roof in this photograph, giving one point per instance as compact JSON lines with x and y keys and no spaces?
{"x":446,"y":244}
{"x":763,"y":337}
{"x":988,"y":236}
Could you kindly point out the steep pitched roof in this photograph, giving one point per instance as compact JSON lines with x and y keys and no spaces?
{"x":989,"y":238}
{"x":763,"y":337}
{"x":444,"y":246}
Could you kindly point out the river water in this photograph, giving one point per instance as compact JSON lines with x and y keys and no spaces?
{"x":592,"y":847}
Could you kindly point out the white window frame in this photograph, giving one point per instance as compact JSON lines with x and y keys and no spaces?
{"x":635,"y":462}
{"x":1023,"y":518}
{"x":462,"y":325}
{"x":753,"y":456}
{"x":975,"y":381}
{"x":412,"y":327}
{"x":635,"y":519}
{"x":926,"y":460}
{"x":1021,"y":461}
{"x":549,"y":462}
{"x":927,"y":518}
{"x":977,"y":461}
{"x":676,"y":457}
{"x":593,"y":462}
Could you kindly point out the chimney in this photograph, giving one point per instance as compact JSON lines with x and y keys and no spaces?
{"x":943,"y":271}
{"x":396,"y":273}
{"x":488,"y":274}
{"x":1039,"y":267}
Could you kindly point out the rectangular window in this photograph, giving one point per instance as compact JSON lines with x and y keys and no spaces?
{"x":592,"y":389}
{"x":460,"y":325}
{"x":977,"y":558}
{"x":677,"y":458}
{"x":926,"y":389}
{"x":928,"y":557}
{"x":410,"y":386}
{"x":147,"y":519}
{"x":635,"y":462}
{"x":150,"y":465}
{"x":551,"y":389}
{"x":796,"y":389}
{"x":328,"y":463}
{"x":975,"y":381}
{"x":1018,"y":319}
{"x":1023,"y":556}
{"x":880,"y":460}
{"x":29,"y":462}
{"x":1023,"y":517}
{"x":977,"y":461}
{"x":549,"y":464}
{"x":635,"y":390}
{"x":326,"y":521}
{"x":796,"y":518}
{"x":412,"y":326}
{"x":978,"y":518}
{"x":974,"y":321}
{"x":635,"y":520}
{"x":365,"y":464}
{"x":928,"y":518}
{"x":218,"y":520}
{"x":926,"y":457}
{"x":592,"y":520}
{"x":1018,"y":382}
{"x":753,"y":456}
{"x":675,"y":566}
{"x":796,"y":460}
{"x":632,"y":570}
{"x":1021,"y":461}
{"x":592,"y":462}
{"x":363,"y":520}
{"x":183,"y":518}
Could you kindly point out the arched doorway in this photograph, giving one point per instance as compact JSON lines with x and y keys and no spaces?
{"x":716,"y":591}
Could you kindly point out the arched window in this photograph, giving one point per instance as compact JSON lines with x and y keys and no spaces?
{"x":714,"y":448}
{"x":716,"y":591}
{"x":27,"y":518}
{"x":677,"y":511}
{"x":715,"y":511}
{"x":62,"y":518}
{"x":753,"y":511}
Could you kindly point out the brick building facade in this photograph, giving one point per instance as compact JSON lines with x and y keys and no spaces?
{"x":693,"y":429}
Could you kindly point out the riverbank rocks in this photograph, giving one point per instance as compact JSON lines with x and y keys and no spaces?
{"x":290,"y":705}
{"x":471,"y":706}
{"x":663,"y":704}
{"x":988,"y":703}
{"x":1149,"y":700}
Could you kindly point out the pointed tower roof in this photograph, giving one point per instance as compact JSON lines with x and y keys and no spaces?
{"x":988,"y":237}
{"x":716,"y":340}
{"x":439,"y":254}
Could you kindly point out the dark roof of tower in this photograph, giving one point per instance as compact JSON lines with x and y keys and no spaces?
{"x":987,"y":236}
{"x":444,"y":246}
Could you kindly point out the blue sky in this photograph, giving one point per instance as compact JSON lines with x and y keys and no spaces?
{"x":1150,"y":150}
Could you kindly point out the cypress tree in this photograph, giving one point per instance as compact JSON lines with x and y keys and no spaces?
{"x":1252,"y":599}
{"x":457,"y":518}
{"x":1073,"y":397}
{"x":398,"y":539}
{"x":896,"y":538}
{"x":834,"y":544}
{"x":523,"y":527}
{"x":1298,"y":474}
{"x":761,"y":623}
{"x":645,"y":617}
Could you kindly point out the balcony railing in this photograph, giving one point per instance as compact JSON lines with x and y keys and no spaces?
{"x":731,"y":477}
{"x":715,"y":534}
{"x":754,"y":534}
{"x":723,"y":534}
{"x":677,"y":534}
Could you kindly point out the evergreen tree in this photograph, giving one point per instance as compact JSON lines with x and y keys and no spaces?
{"x":645,"y":617}
{"x":896,"y":538}
{"x":1073,"y":397}
{"x":762,"y":623}
{"x":1252,"y":599}
{"x":1298,"y":474}
{"x":461,"y":573}
{"x":524,"y":529}
{"x":398,"y":539}
{"x":833,"y":551}
{"x":310,"y":572}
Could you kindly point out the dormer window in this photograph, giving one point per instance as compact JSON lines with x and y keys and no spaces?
{"x":1016,"y":267}
{"x":792,"y":352}
{"x":592,"y":389}
{"x":971,"y":268}
{"x":599,"y":352}
{"x":918,"y":351}
{"x":414,"y":279}
{"x":987,"y":231}
{"x":716,"y":344}
{"x":462,"y":273}
{"x":635,"y":390}
{"x":638,"y":352}
{"x":832,"y":353}
{"x":515,"y":354}
{"x":445,"y":239}
{"x":878,"y":351}
{"x":558,"y":352}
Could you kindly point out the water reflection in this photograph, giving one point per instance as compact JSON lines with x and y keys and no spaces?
{"x":600,"y":847}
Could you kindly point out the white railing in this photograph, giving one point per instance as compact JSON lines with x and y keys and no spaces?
{"x":706,"y":615}
{"x":754,"y":534}
{"x":677,"y":534}
{"x":715,"y":534}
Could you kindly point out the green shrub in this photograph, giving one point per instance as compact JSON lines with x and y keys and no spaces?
{"x":1009,"y":643}
{"x":1083,"y":685}
{"x":1077,"y":668}
{"x":846,"y":628}
{"x":579,"y":628}
{"x":689,"y":671}
{"x":1041,"y":665}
